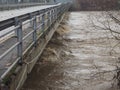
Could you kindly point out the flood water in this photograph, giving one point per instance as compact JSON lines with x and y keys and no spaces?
{"x":80,"y":59}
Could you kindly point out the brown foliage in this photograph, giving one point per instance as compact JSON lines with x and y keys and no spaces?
{"x":96,"y":4}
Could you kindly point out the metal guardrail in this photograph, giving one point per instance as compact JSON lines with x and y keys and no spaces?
{"x":40,"y":21}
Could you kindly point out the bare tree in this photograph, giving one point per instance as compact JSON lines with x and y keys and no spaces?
{"x":111,"y":24}
{"x":95,"y":4}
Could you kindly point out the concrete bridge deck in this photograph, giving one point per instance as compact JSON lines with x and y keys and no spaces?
{"x":17,"y":12}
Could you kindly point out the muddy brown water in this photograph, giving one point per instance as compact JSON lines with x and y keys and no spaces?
{"x":77,"y":60}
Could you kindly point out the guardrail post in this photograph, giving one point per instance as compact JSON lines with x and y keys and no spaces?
{"x":52,"y":16}
{"x":56,"y":13}
{"x":20,"y":46}
{"x":16,"y":24}
{"x":35,"y":31}
{"x":43,"y":22}
{"x":31,"y":24}
{"x":18,"y":33}
{"x":48,"y":24}
{"x":39,"y":16}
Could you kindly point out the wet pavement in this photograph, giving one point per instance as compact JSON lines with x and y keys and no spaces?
{"x":80,"y":59}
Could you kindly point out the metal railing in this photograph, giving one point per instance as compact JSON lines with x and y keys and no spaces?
{"x":35,"y":24}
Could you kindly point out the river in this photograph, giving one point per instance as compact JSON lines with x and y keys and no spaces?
{"x":79,"y":57}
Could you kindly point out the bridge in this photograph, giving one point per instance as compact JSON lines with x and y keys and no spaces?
{"x":24,"y":33}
